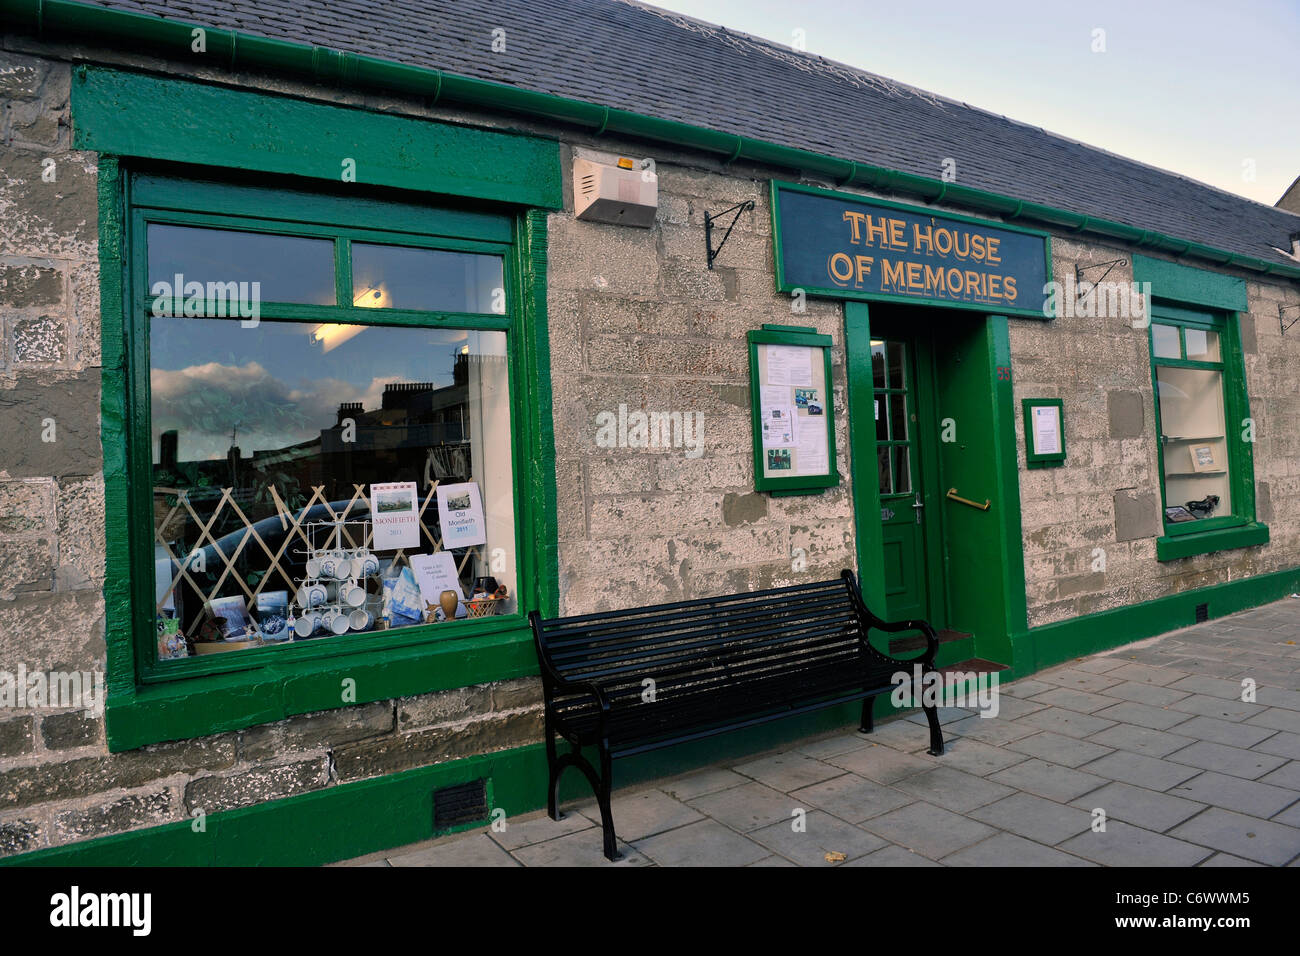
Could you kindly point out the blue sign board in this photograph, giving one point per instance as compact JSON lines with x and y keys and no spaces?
{"x":851,"y":247}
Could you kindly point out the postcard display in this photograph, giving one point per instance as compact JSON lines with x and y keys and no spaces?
{"x":794,"y":426}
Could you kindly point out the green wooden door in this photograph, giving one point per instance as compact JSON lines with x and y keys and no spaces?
{"x":899,"y":381}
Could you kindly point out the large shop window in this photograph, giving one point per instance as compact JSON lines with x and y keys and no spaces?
{"x":1205,"y":441}
{"x":329,"y":431}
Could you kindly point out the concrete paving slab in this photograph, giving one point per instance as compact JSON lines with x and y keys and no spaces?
{"x":892,"y":856}
{"x":953,"y":789}
{"x":1261,"y":840}
{"x":787,"y":771}
{"x":1076,"y":679}
{"x":707,"y":843}
{"x":1144,"y":715}
{"x":644,"y":813}
{"x":927,"y":829}
{"x":831,"y":746}
{"x":584,"y":848}
{"x":1055,"y":748}
{"x":1048,"y":780}
{"x":1139,"y":806}
{"x":1281,"y":745}
{"x":1234,"y":734}
{"x":1141,"y":740}
{"x":746,"y":807}
{"x":1123,"y":844}
{"x":1215,"y":707}
{"x":1007,"y":849}
{"x":475,"y":850}
{"x":1150,"y":694}
{"x":1147,"y":673}
{"x":974,"y":756}
{"x":1044,"y":821}
{"x":1078,"y":700}
{"x":823,"y":834}
{"x":700,"y":782}
{"x":995,"y":731}
{"x":1253,"y":797}
{"x":852,"y":798}
{"x":1141,"y":771}
{"x":1277,"y":719}
{"x":1066,"y":722}
{"x":1240,"y":763}
{"x":882,"y":764}
{"x":537,"y":827}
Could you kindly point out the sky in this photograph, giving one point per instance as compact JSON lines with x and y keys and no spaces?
{"x":1210,"y":90}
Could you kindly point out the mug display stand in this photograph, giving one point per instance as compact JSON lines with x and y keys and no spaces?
{"x":334,"y":598}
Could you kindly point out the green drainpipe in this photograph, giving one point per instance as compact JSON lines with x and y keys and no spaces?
{"x":68,"y":21}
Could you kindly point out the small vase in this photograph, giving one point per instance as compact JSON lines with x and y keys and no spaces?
{"x":448,"y":601}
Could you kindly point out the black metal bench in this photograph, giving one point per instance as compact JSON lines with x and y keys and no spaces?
{"x":632,"y":681}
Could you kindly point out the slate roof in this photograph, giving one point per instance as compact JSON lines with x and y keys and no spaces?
{"x":621,"y":54}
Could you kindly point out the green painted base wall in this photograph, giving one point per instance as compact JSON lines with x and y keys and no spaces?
{"x":359,"y":818}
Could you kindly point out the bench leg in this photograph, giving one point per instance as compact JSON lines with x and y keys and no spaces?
{"x":553,"y":783}
{"x":602,"y":798}
{"x":936,"y":735}
{"x":866,"y":726}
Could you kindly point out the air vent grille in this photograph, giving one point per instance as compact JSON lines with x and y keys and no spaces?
{"x":1202,"y":613}
{"x":460,"y":804}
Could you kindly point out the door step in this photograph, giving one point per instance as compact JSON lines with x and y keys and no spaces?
{"x":916,"y":642}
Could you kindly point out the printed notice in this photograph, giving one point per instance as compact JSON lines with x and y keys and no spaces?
{"x":435,"y":573}
{"x":460,"y":513}
{"x":780,"y":427}
{"x":395,"y":516}
{"x":811,"y":449}
{"x":789,"y":365}
{"x":1047,"y":430}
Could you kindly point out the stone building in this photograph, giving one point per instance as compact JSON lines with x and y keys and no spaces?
{"x":1059,"y":417}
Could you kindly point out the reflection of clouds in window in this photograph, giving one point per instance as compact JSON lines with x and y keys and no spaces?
{"x":205,"y":403}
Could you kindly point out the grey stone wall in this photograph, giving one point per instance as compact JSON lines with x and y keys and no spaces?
{"x":1104,"y":503}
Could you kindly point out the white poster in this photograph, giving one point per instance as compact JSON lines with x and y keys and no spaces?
{"x":435,"y":573}
{"x":395,"y":515}
{"x":789,"y":365}
{"x":813,"y":457}
{"x":460,"y":512}
{"x":1047,"y":430}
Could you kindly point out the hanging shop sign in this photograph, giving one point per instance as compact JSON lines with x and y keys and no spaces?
{"x":837,"y":244}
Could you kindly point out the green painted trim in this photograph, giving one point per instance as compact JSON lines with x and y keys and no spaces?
{"x":1056,"y":643}
{"x":798,"y":484}
{"x":784,"y":285}
{"x":862,"y":448}
{"x":1032,"y":458}
{"x":1184,"y":546}
{"x":1007,"y":486}
{"x":214,"y":126}
{"x":83,"y":23}
{"x":1170,"y":280}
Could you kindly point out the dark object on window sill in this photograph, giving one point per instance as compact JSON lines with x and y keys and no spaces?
{"x":1203,"y":508}
{"x":1178,"y":513}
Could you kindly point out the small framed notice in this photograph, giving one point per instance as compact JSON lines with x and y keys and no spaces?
{"x":794,"y":420}
{"x":1044,"y":432}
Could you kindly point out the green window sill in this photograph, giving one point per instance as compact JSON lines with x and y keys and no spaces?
{"x":1172,"y":547}
{"x":216,"y":703}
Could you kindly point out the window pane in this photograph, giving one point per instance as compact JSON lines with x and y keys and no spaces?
{"x":898,"y":417}
{"x":881,"y":408}
{"x":1195,"y":445}
{"x":896,"y":365}
{"x":264,"y":431}
{"x":400,"y":277}
{"x":882,"y":461}
{"x":285,"y":268}
{"x":1202,"y":345}
{"x":902,"y":470}
{"x":1164,"y":341}
{"x":878,"y":363}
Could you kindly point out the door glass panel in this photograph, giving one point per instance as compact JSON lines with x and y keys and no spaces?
{"x":882,"y":455}
{"x":878,"y":364}
{"x":881,"y":409}
{"x":898,"y":417}
{"x":284,"y":268}
{"x":896,"y":365}
{"x":902,"y":470}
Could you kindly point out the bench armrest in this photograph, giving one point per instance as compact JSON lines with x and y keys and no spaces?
{"x":553,"y":681}
{"x":870,"y":621}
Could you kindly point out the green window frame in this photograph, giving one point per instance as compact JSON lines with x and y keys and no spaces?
{"x":152,"y":700}
{"x":1238,"y":528}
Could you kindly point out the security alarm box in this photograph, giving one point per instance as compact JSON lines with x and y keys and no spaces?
{"x":623,"y":194}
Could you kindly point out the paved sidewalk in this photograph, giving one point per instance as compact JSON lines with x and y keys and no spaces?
{"x":1154,"y":734}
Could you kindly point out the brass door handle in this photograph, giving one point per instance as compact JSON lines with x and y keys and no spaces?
{"x":953,"y":496}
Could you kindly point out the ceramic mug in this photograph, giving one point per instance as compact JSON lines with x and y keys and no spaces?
{"x":307,"y":624}
{"x":335,"y":621}
{"x":365,"y":564}
{"x":342,"y":564}
{"x":328,"y":567}
{"x":360,"y":619}
{"x":352,"y":595}
{"x":312,"y":595}
{"x":313,"y":567}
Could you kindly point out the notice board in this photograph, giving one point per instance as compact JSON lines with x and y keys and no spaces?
{"x":793,"y":411}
